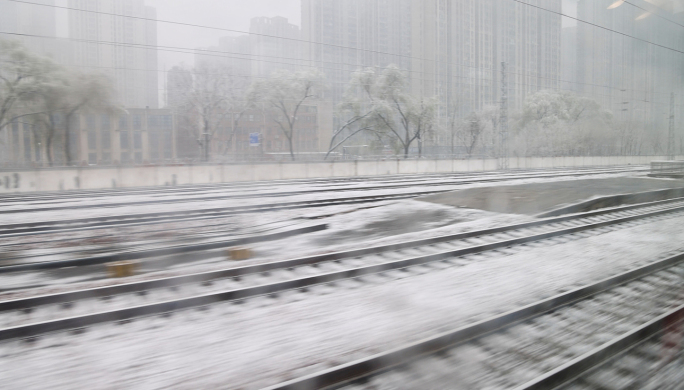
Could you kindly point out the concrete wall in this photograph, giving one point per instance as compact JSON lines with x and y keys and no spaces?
{"x":60,"y":179}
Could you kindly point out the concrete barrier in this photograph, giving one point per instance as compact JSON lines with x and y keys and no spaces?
{"x":64,"y":179}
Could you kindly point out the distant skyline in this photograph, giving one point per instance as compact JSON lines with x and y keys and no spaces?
{"x":230,"y":14}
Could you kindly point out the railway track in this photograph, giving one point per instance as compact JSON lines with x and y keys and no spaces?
{"x":543,"y":345}
{"x":8,"y":199}
{"x":34,"y":315}
{"x":201,"y":247}
{"x":198,"y":214}
{"x":646,"y":362}
{"x":309,"y":191}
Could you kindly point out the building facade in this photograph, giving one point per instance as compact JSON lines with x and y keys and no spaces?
{"x":136,"y":136}
{"x":234,"y":141}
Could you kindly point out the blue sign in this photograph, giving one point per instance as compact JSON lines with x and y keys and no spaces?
{"x":253,"y":139}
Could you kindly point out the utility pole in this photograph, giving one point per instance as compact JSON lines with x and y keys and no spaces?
{"x":671,"y":135}
{"x":503,"y":121}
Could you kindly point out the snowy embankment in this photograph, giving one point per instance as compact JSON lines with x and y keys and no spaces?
{"x":267,"y":340}
{"x":182,"y":202}
{"x":349,"y":227}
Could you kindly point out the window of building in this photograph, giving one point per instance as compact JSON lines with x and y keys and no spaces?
{"x":104,"y":122}
{"x":123,"y":122}
{"x":106,"y":140}
{"x":123,"y":140}
{"x":92,"y":139}
{"x":27,"y":144}
{"x":91,"y":122}
{"x":137,"y":122}
{"x":15,"y":137}
{"x":153,"y":144}
{"x":137,"y":140}
{"x":168,"y":145}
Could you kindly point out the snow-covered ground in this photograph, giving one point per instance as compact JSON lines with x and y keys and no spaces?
{"x":257,"y":199}
{"x":349,"y":227}
{"x":267,"y":340}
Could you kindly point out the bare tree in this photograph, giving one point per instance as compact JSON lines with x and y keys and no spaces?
{"x":470,"y":133}
{"x":355,"y":110}
{"x":214,"y":98}
{"x":39,"y":91}
{"x":397,"y":112}
{"x":285,"y":93}
{"x":23,"y":76}
{"x":555,"y":123}
{"x":82,"y":92}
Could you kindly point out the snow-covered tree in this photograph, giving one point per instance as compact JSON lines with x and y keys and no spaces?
{"x":394,"y":112}
{"x":23,"y":77}
{"x":284,"y":93}
{"x":356,"y":109}
{"x":37,"y":91}
{"x":214,"y":100}
{"x":68,"y":94}
{"x":561,"y":123}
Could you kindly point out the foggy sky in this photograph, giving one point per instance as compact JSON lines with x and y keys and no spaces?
{"x":231,"y":14}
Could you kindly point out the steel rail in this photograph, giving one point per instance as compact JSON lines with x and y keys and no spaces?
{"x":161,"y":190}
{"x":143,"y":218}
{"x":130,"y":255}
{"x":269,"y":288}
{"x":159,"y":251}
{"x":381,"y":362}
{"x":294,"y":193}
{"x":185,"y":215}
{"x":601,"y":354}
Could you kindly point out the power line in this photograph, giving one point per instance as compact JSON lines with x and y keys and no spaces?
{"x":209,"y":53}
{"x":221,"y":54}
{"x":520,"y":84}
{"x":654,"y":13}
{"x":599,"y":26}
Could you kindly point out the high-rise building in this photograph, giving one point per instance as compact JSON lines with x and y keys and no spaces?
{"x":343,"y":36}
{"x":569,"y":58}
{"x":451,"y":49}
{"x":272,"y":44}
{"x":275,"y":44}
{"x":630,"y":63}
{"x":35,"y":27}
{"x":119,"y":45}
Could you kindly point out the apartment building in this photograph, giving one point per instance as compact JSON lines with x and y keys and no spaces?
{"x":451,"y":49}
{"x":632,"y":75}
{"x":122,"y":46}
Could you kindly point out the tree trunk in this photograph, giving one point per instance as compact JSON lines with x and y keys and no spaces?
{"x":67,"y":139}
{"x":48,"y":146}
{"x":289,"y":140}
